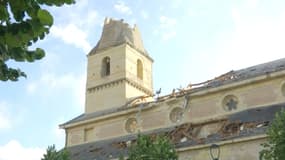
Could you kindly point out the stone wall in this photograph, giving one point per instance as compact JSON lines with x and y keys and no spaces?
{"x":202,"y":107}
{"x":241,"y":149}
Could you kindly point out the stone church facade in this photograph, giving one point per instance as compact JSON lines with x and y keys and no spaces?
{"x":232,"y":110}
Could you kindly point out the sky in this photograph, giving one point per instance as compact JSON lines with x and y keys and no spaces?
{"x":190,"y":41}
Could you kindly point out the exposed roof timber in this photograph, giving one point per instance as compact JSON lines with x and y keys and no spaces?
{"x":231,"y":79}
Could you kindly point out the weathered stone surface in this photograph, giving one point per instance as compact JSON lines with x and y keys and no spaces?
{"x":246,"y":150}
{"x":101,"y":150}
{"x":116,"y":32}
{"x":122,"y":46}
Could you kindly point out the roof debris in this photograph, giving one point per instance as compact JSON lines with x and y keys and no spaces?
{"x":234,"y":126}
{"x":229,"y":77}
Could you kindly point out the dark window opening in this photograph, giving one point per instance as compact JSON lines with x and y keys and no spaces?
{"x":106,"y":68}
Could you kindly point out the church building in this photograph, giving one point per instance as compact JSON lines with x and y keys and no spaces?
{"x":231,"y":111}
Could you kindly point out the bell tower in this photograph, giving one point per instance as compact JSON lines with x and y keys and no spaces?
{"x":118,"y":69}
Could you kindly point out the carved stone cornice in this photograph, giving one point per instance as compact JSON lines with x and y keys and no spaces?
{"x":117,"y":82}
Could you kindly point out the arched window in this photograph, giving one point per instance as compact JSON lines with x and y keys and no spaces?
{"x":105,"y":69}
{"x":139,"y":69}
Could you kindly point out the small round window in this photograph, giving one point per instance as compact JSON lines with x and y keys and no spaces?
{"x":230,"y":103}
{"x":176,"y":115}
{"x":131,"y":125}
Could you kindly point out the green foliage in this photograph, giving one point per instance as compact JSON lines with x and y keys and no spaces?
{"x":274,"y":149}
{"x":147,"y":148}
{"x":22,"y":23}
{"x":52,"y":154}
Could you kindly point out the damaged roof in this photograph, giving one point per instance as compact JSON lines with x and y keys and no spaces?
{"x":250,"y":72}
{"x":117,"y":32}
{"x":230,"y":77}
{"x":247,"y":123}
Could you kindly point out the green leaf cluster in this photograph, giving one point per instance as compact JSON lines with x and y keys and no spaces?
{"x":274,"y":149}
{"x":23,"y":23}
{"x":147,"y":148}
{"x":52,"y":154}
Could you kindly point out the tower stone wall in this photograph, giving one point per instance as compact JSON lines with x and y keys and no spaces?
{"x":129,"y":68}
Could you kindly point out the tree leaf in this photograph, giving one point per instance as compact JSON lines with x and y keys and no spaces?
{"x":39,"y":53}
{"x":22,"y":23}
{"x":11,"y":40}
{"x":45,"y":17}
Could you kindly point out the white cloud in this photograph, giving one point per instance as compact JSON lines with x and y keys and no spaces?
{"x":58,"y":133}
{"x":48,"y":65}
{"x":75,"y":83}
{"x":252,"y":3}
{"x":13,"y":150}
{"x":58,"y":81}
{"x":71,"y":34}
{"x":50,"y":82}
{"x":5,"y":120}
{"x":91,"y":18}
{"x":31,"y":88}
{"x":50,"y":62}
{"x":121,"y":7}
{"x":144,"y":14}
{"x":79,"y":90}
{"x":256,"y":39}
{"x":167,"y":28}
{"x":75,"y":27}
{"x":168,"y":35}
{"x":87,"y":20}
{"x":82,"y":13}
{"x":167,"y":22}
{"x":236,"y":16}
{"x":155,"y":32}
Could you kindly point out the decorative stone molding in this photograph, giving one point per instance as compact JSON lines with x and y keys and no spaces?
{"x":176,"y":115}
{"x":131,"y":125}
{"x":230,"y":102}
{"x":105,"y":85}
{"x":117,"y":82}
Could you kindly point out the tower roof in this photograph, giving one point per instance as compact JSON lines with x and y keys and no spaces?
{"x":116,"y":32}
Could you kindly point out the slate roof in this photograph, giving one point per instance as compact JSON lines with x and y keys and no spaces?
{"x":107,"y":149}
{"x":250,"y":72}
{"x":230,"y":77}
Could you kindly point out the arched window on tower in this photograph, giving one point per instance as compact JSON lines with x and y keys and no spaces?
{"x":105,"y":69}
{"x":139,"y":69}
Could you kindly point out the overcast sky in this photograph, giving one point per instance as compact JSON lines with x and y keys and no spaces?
{"x":190,"y":41}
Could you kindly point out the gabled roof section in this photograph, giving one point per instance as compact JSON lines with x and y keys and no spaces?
{"x":116,"y":32}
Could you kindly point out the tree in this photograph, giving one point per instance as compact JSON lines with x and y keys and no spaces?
{"x":52,"y":154}
{"x":159,"y":148}
{"x":22,"y":23}
{"x":274,"y":149}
